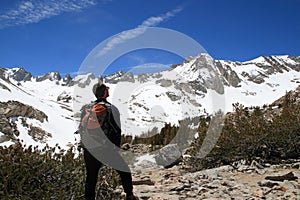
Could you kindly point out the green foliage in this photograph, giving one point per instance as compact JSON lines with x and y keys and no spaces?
{"x":153,"y":138}
{"x":109,"y":181}
{"x":50,"y":173}
{"x":269,"y":134}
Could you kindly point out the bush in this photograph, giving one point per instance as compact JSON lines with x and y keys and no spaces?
{"x":268,"y":134}
{"x":50,"y":173}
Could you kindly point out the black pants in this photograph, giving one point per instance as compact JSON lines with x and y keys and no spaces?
{"x":92,"y":169}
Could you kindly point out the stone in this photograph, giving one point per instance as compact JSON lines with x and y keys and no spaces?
{"x":258,"y":193}
{"x":125,"y":146}
{"x":168,"y":156}
{"x":143,"y":181}
{"x":289,"y":185}
{"x":296,"y":165}
{"x":265,"y":183}
{"x":288,"y":176}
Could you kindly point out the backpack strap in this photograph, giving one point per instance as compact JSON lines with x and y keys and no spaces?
{"x":109,"y":116}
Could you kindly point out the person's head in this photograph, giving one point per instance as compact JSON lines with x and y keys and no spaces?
{"x":100,"y":90}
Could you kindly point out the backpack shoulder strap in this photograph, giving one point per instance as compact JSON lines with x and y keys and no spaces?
{"x":110,"y":116}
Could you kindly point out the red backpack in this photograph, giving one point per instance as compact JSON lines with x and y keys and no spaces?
{"x":94,"y":116}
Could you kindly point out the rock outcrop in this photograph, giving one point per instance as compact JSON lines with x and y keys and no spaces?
{"x":67,"y":80}
{"x":20,"y":74}
{"x":64,"y":97}
{"x":120,"y":77}
{"x":12,"y":110}
{"x":52,"y":76}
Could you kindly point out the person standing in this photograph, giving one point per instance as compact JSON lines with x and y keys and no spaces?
{"x":102,"y":148}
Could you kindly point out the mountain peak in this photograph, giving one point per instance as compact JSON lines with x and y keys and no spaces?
{"x":119,"y":76}
{"x":19,"y":74}
{"x":52,"y":76}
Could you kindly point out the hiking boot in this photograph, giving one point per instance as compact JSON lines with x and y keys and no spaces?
{"x":131,"y":197}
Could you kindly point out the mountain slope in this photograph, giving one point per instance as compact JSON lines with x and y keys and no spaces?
{"x":42,"y":97}
{"x":195,"y":87}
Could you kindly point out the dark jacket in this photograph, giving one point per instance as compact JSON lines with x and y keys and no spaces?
{"x":114,"y":125}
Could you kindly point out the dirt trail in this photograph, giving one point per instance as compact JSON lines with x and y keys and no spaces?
{"x":153,"y":182}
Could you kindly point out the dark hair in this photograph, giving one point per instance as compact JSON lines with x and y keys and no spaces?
{"x":98,"y":90}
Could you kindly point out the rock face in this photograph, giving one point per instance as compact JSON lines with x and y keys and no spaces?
{"x":20,"y":74}
{"x":52,"y":76}
{"x":11,"y":111}
{"x":208,"y":73}
{"x":15,"y":109}
{"x":120,"y":77}
{"x":67,"y":80}
{"x":82,"y":81}
{"x":142,"y":78}
{"x":230,"y":77}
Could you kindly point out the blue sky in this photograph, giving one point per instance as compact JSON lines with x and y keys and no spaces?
{"x":49,"y":35}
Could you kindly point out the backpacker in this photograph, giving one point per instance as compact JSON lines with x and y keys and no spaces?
{"x":95,"y":116}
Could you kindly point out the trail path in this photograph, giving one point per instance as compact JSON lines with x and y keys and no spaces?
{"x":153,"y":182}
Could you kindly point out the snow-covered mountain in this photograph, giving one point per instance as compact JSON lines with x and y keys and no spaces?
{"x":45,"y":109}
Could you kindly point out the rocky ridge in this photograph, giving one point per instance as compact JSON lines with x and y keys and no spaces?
{"x":231,"y":73}
{"x":21,"y":75}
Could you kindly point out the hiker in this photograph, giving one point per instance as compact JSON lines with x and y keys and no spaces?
{"x":98,"y":150}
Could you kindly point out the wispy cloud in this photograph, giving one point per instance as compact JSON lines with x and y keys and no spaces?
{"x":140,"y":29}
{"x":148,"y":68}
{"x":33,"y":11}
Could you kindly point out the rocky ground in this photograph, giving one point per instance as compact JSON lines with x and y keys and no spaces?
{"x":237,"y":181}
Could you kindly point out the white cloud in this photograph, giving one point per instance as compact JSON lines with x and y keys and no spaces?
{"x":148,"y":68}
{"x":154,"y":21}
{"x":132,"y":33}
{"x":33,"y":11}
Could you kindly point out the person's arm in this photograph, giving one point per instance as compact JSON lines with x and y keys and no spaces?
{"x":116,"y":123}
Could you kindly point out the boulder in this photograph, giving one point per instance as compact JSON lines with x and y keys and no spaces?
{"x":168,"y":156}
